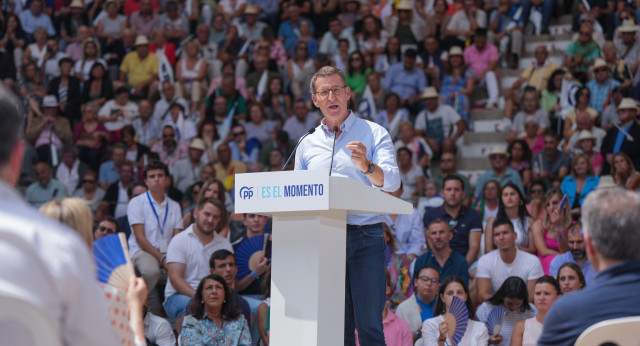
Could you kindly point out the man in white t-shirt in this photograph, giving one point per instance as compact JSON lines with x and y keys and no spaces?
{"x":154,"y":220}
{"x":496,"y":266}
{"x":188,"y":256}
{"x":437,"y":123}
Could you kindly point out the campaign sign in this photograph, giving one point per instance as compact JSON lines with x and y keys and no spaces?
{"x":269,"y":192}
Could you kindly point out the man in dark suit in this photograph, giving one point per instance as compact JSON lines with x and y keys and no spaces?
{"x":624,"y":137}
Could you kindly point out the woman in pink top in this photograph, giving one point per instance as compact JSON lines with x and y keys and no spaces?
{"x":549,"y":234}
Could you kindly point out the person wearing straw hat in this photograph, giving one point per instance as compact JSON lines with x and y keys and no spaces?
{"x":251,"y":29}
{"x":71,"y":23}
{"x":442,"y":119}
{"x":623,"y":137}
{"x":601,"y":87}
{"x":500,"y":171}
{"x":405,"y":26}
{"x":139,"y":69}
{"x":585,"y":123}
{"x":629,"y":47}
{"x":585,"y":144}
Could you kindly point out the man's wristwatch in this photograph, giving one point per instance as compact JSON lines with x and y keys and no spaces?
{"x":372,"y":167}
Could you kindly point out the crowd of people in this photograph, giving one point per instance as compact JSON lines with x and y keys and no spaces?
{"x":146,"y":110}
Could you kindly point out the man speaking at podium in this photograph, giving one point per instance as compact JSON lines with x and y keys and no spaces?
{"x":363,"y":152}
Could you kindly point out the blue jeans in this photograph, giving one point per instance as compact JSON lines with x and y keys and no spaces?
{"x":364,"y":285}
{"x":176,"y":305}
{"x":547,"y":11}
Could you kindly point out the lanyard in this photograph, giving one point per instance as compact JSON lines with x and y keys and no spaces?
{"x":166,"y":213}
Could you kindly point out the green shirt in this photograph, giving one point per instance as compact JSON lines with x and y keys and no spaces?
{"x":588,"y":52}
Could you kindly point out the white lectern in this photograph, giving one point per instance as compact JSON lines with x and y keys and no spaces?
{"x":309,"y":211}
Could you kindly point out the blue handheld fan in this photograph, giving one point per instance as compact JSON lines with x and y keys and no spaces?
{"x":249,"y":253}
{"x":494,"y":321}
{"x":457,"y":318}
{"x":113,"y":263}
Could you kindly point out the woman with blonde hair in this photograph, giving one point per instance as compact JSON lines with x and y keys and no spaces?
{"x":75,"y":213}
{"x":623,"y":171}
{"x":549,"y":234}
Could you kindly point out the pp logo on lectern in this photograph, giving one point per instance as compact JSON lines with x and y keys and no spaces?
{"x":246,"y":192}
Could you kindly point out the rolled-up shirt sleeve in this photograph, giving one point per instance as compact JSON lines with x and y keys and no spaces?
{"x":384,"y":156}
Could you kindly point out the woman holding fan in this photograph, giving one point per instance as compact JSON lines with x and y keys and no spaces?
{"x":509,"y":305}
{"x":439,"y":330}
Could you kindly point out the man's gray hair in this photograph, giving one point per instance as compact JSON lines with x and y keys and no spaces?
{"x":324,"y":72}
{"x":11,"y":123}
{"x":612,"y":221}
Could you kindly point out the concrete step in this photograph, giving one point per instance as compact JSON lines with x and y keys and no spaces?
{"x":560,"y":29}
{"x":472,"y":175}
{"x":490,"y":126}
{"x":563,"y":19}
{"x":549,"y":38}
{"x":552,"y":46}
{"x":478,"y":150}
{"x":485,"y":137}
{"x":486,"y":114}
{"x":473,"y":164}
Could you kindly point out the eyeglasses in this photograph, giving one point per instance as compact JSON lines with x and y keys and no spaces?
{"x":428,"y":280}
{"x":236,"y":134}
{"x":498,"y":157}
{"x":336,"y":91}
{"x":108,"y":230}
{"x":88,"y":181}
{"x":536,"y":191}
{"x":602,"y":70}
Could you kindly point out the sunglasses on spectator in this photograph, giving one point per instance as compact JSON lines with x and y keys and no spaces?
{"x":536,"y":191}
{"x":236,"y":134}
{"x":585,"y":33}
{"x":88,"y":181}
{"x":168,"y":135}
{"x":108,"y":230}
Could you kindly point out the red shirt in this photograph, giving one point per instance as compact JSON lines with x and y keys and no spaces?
{"x":131,"y":6}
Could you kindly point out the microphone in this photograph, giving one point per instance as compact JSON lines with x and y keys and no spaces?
{"x":333,"y":149}
{"x":312,"y":130}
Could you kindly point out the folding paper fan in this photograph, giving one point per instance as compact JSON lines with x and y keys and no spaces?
{"x":112,"y":260}
{"x":457,"y":318}
{"x":248,"y":254}
{"x":494,"y":321}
